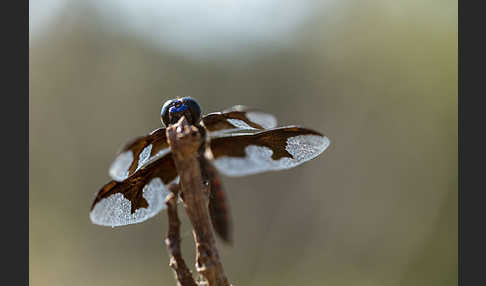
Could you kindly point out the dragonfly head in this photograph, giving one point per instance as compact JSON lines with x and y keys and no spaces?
{"x":174,"y":109}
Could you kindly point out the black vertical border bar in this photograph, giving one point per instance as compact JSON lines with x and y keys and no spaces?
{"x":15,"y":145}
{"x":472,"y":143}
{"x":459,"y":145}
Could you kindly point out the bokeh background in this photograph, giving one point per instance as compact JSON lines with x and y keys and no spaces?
{"x":378,"y":77}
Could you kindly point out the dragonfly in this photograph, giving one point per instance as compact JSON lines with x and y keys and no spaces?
{"x":236,"y":142}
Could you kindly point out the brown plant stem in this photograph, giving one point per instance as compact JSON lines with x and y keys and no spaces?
{"x":184,"y":140}
{"x":173,"y":240}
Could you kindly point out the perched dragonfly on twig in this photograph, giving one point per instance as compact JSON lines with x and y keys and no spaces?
{"x":235,"y":142}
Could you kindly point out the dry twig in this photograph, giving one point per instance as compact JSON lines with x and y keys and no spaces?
{"x":183,"y":274}
{"x":184,"y":140}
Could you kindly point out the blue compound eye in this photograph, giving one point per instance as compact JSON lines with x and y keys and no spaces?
{"x":174,"y":109}
{"x":194,"y":109}
{"x":164,"y":113}
{"x":181,"y":108}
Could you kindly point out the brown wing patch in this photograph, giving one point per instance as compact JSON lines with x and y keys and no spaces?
{"x":132,"y":187}
{"x":269,"y":150}
{"x":245,"y":119}
{"x":275,"y":139}
{"x":219,"y":121}
{"x":155,"y":142}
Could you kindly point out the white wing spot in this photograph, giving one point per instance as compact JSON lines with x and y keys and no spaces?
{"x":144,"y":156}
{"x":116,"y":209}
{"x":119,"y":168}
{"x":239,"y":124}
{"x":157,"y":156}
{"x":266,"y":120}
{"x":306,"y":147}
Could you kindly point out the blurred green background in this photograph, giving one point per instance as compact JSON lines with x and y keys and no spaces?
{"x":378,"y":77}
